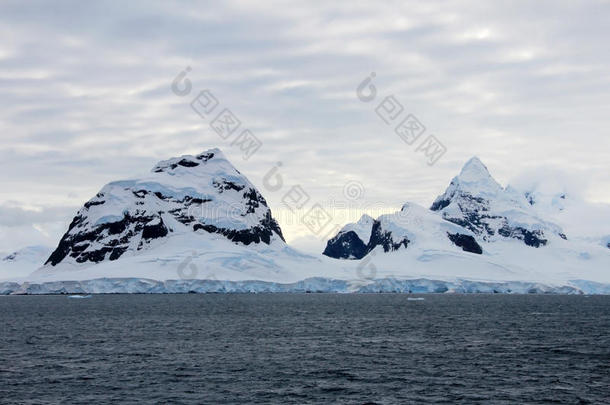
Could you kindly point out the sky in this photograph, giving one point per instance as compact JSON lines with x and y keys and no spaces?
{"x":87,"y":99}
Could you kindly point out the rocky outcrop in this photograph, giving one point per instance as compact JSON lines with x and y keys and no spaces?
{"x":467,"y":242}
{"x":399,"y":231}
{"x":346,"y":245}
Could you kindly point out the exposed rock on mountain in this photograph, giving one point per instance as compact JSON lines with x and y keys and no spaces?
{"x":351,"y":241}
{"x":475,"y":201}
{"x":188,"y":194}
{"x":412,"y":224}
{"x":478,"y":208}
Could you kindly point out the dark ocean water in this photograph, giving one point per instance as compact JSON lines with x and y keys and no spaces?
{"x":305,"y":348}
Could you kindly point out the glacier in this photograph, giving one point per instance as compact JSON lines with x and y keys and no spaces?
{"x":310,"y":285}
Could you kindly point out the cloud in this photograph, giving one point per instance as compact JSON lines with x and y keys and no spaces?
{"x":29,"y":226}
{"x":13,"y":215}
{"x":87,"y":100}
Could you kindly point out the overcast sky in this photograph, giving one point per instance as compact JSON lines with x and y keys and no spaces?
{"x":86,"y":96}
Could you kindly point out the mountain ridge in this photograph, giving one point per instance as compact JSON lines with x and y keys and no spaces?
{"x":475,"y":202}
{"x":196,"y":217}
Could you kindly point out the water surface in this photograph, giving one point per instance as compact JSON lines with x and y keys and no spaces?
{"x":305,"y":348}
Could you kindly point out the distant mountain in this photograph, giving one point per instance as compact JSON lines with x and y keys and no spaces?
{"x":538,"y":232}
{"x":479,"y":230}
{"x":413,"y":224}
{"x":200,"y":196}
{"x":473,"y":210}
{"x":474,"y":200}
{"x":23,"y":261}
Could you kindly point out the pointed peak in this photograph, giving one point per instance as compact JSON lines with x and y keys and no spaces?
{"x":474,"y":179}
{"x":473,"y":170}
{"x":362,"y":228}
{"x":474,"y":161}
{"x":365,"y":222}
{"x":365,"y":218}
{"x":476,"y":176}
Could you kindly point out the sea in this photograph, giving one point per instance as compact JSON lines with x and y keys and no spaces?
{"x":305,"y":349}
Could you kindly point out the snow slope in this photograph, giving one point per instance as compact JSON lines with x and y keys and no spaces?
{"x":22,"y":262}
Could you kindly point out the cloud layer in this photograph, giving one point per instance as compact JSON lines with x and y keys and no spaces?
{"x":87,"y":99}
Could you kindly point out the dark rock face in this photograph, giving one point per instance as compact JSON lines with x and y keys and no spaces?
{"x":475,"y":210}
{"x":530,"y":238}
{"x":384,"y":238}
{"x":477,"y":217}
{"x":346,"y":245}
{"x":154,"y":231}
{"x":187,"y":163}
{"x":440,"y":204}
{"x":466,"y":242}
{"x":113,"y":238}
{"x":222,"y":185}
{"x":90,"y":204}
{"x":256,"y":234}
{"x":204,"y":157}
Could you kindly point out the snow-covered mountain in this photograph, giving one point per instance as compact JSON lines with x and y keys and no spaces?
{"x":191,"y":217}
{"x":197,"y":196}
{"x":23,"y":261}
{"x":560,"y":204}
{"x":474,"y":200}
{"x":473,"y":210}
{"x":412,"y":225}
{"x":195,"y":223}
{"x":479,"y":230}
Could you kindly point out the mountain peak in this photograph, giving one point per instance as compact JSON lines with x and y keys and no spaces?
{"x":189,"y":161}
{"x":476,"y":201}
{"x":362,"y":227}
{"x":365,"y":218}
{"x":474,"y":179}
{"x":474,"y":171}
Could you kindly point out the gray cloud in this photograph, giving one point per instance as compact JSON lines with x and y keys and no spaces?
{"x":15,"y":216}
{"x":86,"y":96}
